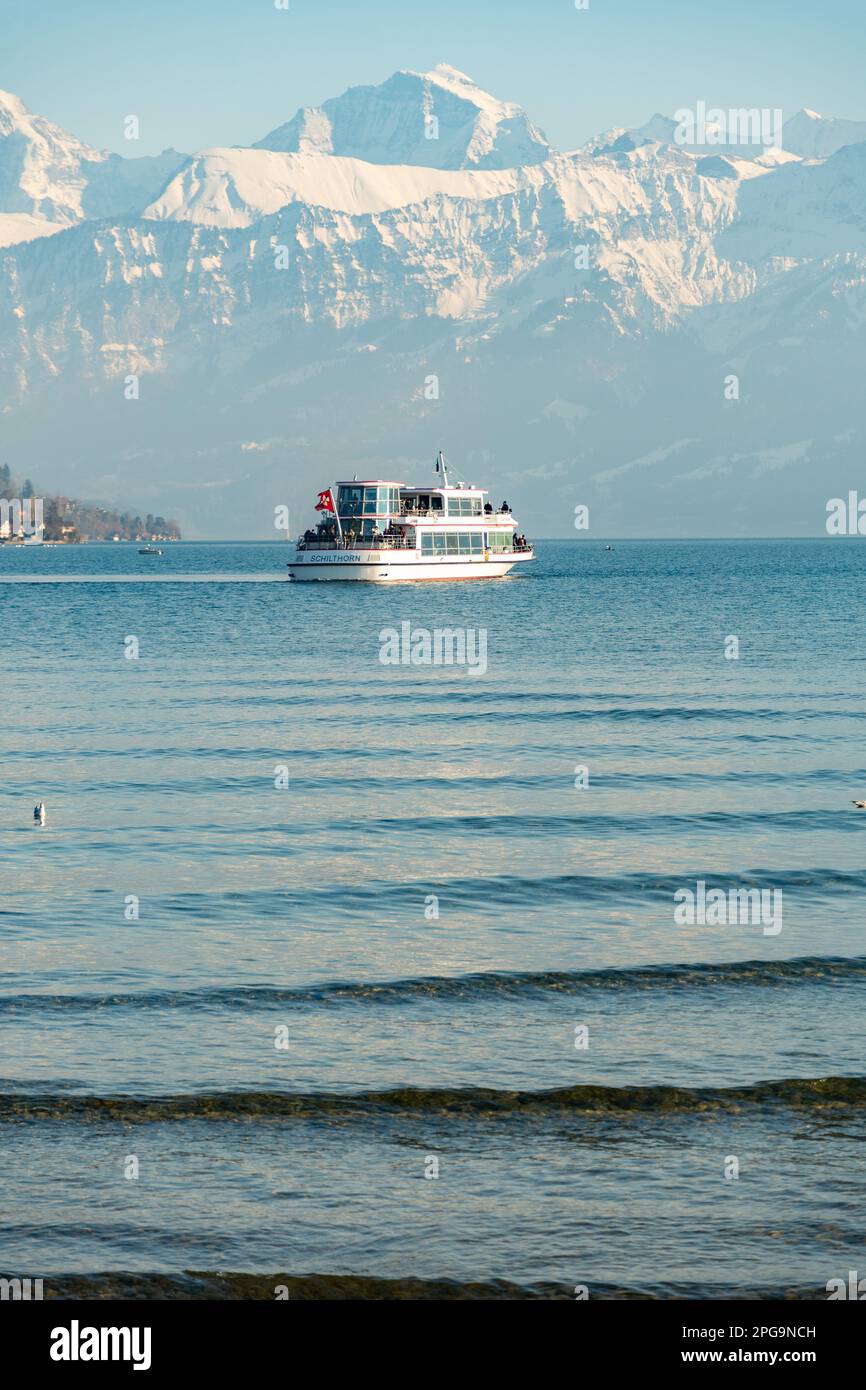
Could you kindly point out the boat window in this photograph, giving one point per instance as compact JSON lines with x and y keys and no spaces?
{"x":464,"y":506}
{"x":387,"y":501}
{"x":452,"y":543}
{"x":350,"y":500}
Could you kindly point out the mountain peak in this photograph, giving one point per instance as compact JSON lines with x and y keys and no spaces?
{"x":443,"y":72}
{"x":13,"y":104}
{"x":461,"y":85}
{"x":439,"y":119}
{"x":40,"y":166}
{"x":15,"y":114}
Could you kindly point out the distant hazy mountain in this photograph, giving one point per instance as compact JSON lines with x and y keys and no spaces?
{"x":815,"y":137}
{"x":806,"y":135}
{"x":674,"y":337}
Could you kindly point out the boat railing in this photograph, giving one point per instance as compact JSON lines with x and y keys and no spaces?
{"x":437,"y":514}
{"x":358,"y":543}
{"x":422,"y":513}
{"x":394,"y":543}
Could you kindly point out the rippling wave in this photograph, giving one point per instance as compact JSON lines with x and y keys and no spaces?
{"x":809,"y":970}
{"x":525,"y":889}
{"x":799,"y":1094}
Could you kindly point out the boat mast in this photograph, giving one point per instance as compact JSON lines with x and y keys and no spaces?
{"x":333,"y":492}
{"x":440,"y":467}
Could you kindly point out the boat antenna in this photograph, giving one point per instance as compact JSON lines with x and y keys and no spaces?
{"x":440,"y":468}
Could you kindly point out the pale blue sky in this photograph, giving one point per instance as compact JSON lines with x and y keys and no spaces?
{"x":221,"y":72}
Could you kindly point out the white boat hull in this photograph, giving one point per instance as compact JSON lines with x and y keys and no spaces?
{"x":382,"y":566}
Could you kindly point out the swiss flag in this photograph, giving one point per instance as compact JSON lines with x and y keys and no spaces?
{"x":326,"y":502}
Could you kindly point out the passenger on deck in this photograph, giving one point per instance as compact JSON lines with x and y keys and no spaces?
{"x":488,"y":508}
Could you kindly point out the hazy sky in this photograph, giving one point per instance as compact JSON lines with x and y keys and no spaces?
{"x":221,"y":72}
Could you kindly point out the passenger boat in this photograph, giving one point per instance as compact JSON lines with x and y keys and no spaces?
{"x":379,"y":530}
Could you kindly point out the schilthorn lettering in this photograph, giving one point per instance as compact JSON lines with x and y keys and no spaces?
{"x":77,"y":1343}
{"x":736,"y":907}
{"x":444,"y":646}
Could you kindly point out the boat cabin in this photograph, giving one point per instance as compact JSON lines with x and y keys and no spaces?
{"x":433,"y":520}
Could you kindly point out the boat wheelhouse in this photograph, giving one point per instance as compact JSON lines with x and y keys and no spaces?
{"x":382,"y":530}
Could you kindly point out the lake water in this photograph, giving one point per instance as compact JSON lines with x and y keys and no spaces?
{"x":432,"y":950}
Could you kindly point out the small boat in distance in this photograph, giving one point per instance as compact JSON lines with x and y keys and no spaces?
{"x":378,"y":530}
{"x":150,"y":550}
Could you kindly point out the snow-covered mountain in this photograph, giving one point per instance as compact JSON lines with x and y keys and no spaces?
{"x":566,"y":325}
{"x":50,"y":180}
{"x":40,"y":165}
{"x":438,"y":119}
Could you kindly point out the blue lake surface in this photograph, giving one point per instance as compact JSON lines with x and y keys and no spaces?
{"x":330,"y":984}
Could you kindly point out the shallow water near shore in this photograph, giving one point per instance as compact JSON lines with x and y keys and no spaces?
{"x":325,"y":987}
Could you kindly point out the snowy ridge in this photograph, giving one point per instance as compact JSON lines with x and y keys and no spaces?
{"x":236,"y":187}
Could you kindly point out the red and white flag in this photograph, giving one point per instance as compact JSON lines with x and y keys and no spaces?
{"x":326,"y":502}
